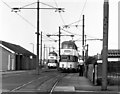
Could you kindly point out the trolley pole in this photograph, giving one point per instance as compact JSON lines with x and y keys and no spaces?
{"x":105,"y":44}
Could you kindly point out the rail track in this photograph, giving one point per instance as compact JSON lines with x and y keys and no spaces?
{"x":45,"y":83}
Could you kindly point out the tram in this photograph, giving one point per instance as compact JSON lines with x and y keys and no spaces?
{"x":69,"y":57}
{"x":52,"y":60}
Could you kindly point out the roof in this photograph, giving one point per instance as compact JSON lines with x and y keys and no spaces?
{"x":70,"y":43}
{"x":53,"y":53}
{"x":113,"y":53}
{"x":16,"y":48}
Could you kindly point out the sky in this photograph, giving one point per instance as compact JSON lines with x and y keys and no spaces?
{"x":19,"y":28}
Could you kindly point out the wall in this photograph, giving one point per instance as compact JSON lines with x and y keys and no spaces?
{"x":8,"y":59}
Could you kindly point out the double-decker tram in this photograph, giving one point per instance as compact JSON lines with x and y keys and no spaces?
{"x":52,"y":60}
{"x":69,"y":57}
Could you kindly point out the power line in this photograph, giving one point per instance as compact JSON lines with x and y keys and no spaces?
{"x":26,"y":20}
{"x":28,"y":5}
{"x":47,"y":4}
{"x":80,"y":14}
{"x":70,"y":32}
{"x":82,"y":10}
{"x":6,"y":4}
{"x":60,"y":13}
{"x":74,"y":22}
{"x":24,"y":17}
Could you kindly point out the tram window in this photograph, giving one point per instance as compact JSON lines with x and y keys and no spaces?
{"x":51,"y":61}
{"x":70,"y":46}
{"x":63,"y":57}
{"x":65,"y":46}
{"x":51,"y":54}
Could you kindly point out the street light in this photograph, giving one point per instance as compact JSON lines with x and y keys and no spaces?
{"x":33,"y":46}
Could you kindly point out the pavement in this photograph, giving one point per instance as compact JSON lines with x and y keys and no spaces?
{"x":20,"y":71}
{"x":14,"y":72}
{"x":76,"y":83}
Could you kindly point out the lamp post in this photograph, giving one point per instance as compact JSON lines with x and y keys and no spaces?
{"x":33,"y":47}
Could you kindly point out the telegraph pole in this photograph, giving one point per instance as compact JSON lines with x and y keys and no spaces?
{"x":83,"y":39}
{"x":44,"y":53}
{"x":41,"y":51}
{"x":105,"y":44}
{"x":37,"y":63}
{"x":59,"y":42}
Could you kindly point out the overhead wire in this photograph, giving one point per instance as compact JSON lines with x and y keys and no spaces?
{"x":28,"y":5}
{"x":47,"y":5}
{"x":59,"y":13}
{"x":23,"y":17}
{"x":80,"y":14}
{"x":36,"y":27}
{"x":82,"y":10}
{"x":6,"y":4}
{"x":70,"y":32}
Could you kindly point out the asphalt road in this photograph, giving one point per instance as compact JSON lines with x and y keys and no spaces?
{"x":28,"y":81}
{"x":47,"y":82}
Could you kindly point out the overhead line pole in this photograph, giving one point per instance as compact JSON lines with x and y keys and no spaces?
{"x":37,"y":63}
{"x":44,"y":54}
{"x":83,"y":39}
{"x":105,"y":44}
{"x":59,"y":42}
{"x":41,"y":51}
{"x":38,"y":8}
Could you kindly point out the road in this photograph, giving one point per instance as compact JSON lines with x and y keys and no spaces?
{"x":48,"y":82}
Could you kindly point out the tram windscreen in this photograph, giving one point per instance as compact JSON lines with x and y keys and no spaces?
{"x":68,"y":58}
{"x":52,"y":61}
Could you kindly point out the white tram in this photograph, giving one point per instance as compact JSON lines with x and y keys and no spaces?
{"x":69,"y":57}
{"x":52,"y":60}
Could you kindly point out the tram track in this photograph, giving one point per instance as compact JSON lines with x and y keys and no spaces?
{"x":56,"y":82}
{"x":49,"y":80}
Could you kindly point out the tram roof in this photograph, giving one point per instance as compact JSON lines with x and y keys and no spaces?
{"x":53,"y":53}
{"x":70,"y":43}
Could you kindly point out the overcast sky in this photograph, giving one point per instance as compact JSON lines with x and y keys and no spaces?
{"x":15,"y":29}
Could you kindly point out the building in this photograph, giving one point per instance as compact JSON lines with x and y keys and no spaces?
{"x":113,"y":68}
{"x":15,"y":57}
